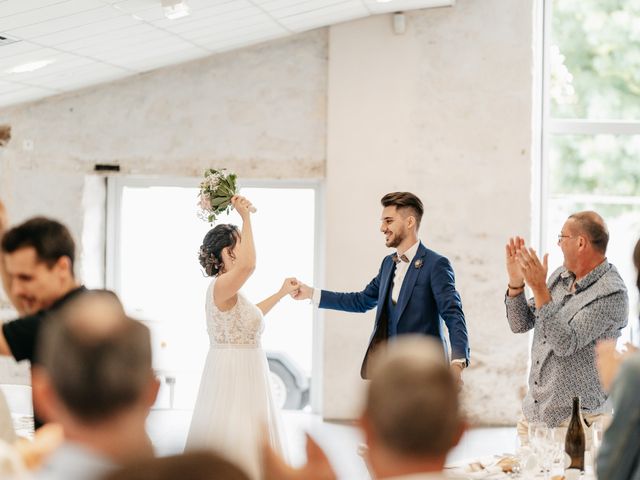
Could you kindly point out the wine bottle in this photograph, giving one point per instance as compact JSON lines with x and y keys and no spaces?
{"x":575,"y":441}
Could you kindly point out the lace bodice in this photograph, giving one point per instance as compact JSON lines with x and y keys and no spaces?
{"x":241,"y":325}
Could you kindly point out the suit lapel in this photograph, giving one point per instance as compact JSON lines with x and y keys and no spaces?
{"x":384,"y":286}
{"x":410,"y":280}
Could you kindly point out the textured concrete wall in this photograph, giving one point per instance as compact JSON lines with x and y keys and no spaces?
{"x":444,"y":111}
{"x":260,"y":111}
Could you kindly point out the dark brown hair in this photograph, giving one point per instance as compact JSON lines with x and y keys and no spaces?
{"x":217,"y":239}
{"x":188,"y":466}
{"x":404,"y":200}
{"x":49,"y":238}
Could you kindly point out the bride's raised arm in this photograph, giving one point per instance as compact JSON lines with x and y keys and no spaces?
{"x":238,"y":262}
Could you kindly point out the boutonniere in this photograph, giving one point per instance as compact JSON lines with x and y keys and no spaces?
{"x":418,"y":263}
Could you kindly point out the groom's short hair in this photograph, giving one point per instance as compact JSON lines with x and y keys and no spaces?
{"x":412,"y":402}
{"x":97,"y":359}
{"x":404,"y":200}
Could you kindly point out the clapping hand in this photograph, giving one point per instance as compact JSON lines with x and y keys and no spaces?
{"x":516,"y":277}
{"x":534,"y":271}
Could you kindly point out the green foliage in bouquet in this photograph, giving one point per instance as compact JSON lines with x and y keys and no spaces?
{"x":216,"y":191}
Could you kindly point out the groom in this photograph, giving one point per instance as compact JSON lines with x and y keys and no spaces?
{"x":413,"y":291}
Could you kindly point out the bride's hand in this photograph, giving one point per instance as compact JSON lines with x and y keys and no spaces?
{"x":242,"y":205}
{"x":289,"y":286}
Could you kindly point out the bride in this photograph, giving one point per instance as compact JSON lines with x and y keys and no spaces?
{"x":234,"y":404}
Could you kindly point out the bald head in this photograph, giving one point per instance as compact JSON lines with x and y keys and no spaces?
{"x":412,"y":402}
{"x":98,"y":359}
{"x":592,"y":226}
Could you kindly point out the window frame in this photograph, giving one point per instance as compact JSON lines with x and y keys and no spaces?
{"x":549,"y":127}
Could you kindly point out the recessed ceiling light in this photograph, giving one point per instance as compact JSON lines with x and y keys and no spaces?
{"x":174,"y":9}
{"x":30,"y":66}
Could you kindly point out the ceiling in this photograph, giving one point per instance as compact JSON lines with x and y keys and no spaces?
{"x":87,"y":42}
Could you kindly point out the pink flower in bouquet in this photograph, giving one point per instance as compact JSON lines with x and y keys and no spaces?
{"x":205,"y":202}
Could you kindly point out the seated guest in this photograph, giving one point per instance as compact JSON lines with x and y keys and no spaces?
{"x":583,"y":301}
{"x":619,"y":456}
{"x":36,"y":266}
{"x":94,"y":379}
{"x":203,"y":465}
{"x":410,"y":422}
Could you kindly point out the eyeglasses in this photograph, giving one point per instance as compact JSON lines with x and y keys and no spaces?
{"x":561,"y":237}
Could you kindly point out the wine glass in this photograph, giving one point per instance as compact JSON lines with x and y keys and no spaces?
{"x":597,"y":430}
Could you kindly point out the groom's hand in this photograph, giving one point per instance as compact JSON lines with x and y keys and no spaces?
{"x":303,"y":292}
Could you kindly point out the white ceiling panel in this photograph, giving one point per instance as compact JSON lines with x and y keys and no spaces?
{"x":6,"y":87}
{"x":12,"y":61}
{"x":96,"y":41}
{"x":331,"y":14}
{"x":233,"y":28}
{"x":122,"y":37}
{"x":405,"y":5}
{"x":65,"y":23}
{"x":215,"y":18}
{"x":102,"y":28}
{"x":8,"y":7}
{"x":257,"y":33}
{"x":286,"y":9}
{"x":47,"y":14}
{"x":18,"y":48}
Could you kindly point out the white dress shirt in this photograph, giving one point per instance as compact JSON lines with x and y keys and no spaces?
{"x":401,"y":270}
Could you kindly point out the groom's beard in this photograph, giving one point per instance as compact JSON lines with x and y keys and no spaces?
{"x":395,"y":239}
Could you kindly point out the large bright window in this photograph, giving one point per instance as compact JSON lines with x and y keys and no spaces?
{"x":154,"y":238}
{"x":591,"y":142}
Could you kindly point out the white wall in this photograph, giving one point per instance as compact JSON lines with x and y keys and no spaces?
{"x":443,"y":110}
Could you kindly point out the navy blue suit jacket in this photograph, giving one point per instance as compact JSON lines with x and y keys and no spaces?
{"x":427,"y":297}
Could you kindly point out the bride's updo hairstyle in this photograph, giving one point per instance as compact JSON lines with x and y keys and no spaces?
{"x":217,"y":239}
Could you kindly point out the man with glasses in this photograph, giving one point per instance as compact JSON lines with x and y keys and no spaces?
{"x":583,"y":301}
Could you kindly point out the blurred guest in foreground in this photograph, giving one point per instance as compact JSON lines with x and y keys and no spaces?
{"x":619,"y":456}
{"x":411,"y":418}
{"x":95,"y":379}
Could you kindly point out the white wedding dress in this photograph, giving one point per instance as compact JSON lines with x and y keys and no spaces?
{"x":235,"y":405}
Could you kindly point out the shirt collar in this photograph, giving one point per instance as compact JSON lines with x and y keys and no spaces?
{"x":590,"y":278}
{"x":411,"y":251}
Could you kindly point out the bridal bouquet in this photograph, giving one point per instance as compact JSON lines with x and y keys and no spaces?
{"x":216,"y":191}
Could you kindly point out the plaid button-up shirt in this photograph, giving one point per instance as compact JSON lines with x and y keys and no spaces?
{"x":565,"y":331}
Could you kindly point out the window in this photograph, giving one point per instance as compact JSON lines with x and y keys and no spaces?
{"x":591,"y":125}
{"x":153,"y":241}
